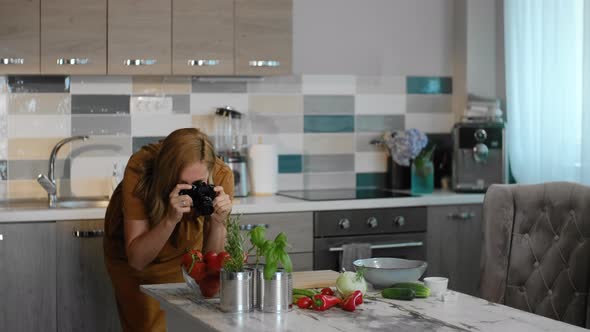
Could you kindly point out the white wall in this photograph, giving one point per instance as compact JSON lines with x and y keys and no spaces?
{"x":373,"y":37}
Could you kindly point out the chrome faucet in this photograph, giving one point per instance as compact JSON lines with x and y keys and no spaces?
{"x":48,"y":181}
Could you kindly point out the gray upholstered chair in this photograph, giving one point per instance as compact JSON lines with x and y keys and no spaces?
{"x":536,"y":253}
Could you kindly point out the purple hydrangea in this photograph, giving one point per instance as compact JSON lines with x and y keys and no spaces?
{"x":406,"y":145}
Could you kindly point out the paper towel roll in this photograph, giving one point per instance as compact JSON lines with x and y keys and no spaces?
{"x":264,"y":168}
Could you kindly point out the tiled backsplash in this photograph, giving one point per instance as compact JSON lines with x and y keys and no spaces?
{"x":322,"y":125}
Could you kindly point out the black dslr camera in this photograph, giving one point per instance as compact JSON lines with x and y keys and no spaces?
{"x":203,"y":196}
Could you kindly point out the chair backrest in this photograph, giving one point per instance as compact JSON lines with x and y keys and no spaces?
{"x":536,"y":250}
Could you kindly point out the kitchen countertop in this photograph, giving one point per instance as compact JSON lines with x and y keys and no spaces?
{"x":38,"y":211}
{"x":186,"y":311}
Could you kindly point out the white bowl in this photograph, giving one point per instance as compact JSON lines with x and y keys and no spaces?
{"x":437,"y":285}
{"x":385,"y":271}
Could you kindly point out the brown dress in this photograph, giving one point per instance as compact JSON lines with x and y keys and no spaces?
{"x":137,"y":311}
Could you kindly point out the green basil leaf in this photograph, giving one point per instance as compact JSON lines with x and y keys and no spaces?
{"x":286,"y":261}
{"x":270,"y":268}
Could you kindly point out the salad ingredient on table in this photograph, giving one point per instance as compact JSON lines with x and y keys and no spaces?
{"x":348,"y":282}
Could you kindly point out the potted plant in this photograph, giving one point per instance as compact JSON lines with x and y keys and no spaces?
{"x":275,"y":284}
{"x":235,"y":294}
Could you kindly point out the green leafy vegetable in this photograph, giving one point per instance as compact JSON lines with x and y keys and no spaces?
{"x":274,"y":252}
{"x":234,"y":245}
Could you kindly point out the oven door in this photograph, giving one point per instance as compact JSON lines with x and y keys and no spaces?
{"x":327,"y":252}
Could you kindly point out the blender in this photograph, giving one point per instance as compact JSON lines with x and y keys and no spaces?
{"x":231,"y":144}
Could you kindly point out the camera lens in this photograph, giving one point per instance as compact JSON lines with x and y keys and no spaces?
{"x":206,"y":207}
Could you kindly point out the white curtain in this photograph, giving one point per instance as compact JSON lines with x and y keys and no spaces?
{"x":548,"y":89}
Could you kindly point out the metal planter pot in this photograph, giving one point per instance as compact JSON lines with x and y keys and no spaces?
{"x":235,"y":294}
{"x":257,"y":270}
{"x":276,"y":294}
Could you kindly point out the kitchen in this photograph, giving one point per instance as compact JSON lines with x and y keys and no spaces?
{"x":312,"y":86}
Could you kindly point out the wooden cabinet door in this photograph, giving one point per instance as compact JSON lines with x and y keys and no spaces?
{"x":74,"y":37}
{"x":19,"y":36}
{"x":264,"y":37}
{"x":27,"y":277}
{"x":139,"y":37}
{"x":203,"y":37}
{"x":85,"y":297}
{"x":454,"y":241}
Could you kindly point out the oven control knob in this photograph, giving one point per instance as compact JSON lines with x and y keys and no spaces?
{"x":399,"y":221}
{"x":372,"y":222}
{"x":344,"y":223}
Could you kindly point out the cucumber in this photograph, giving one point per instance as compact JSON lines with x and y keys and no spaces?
{"x":406,"y":294}
{"x":419,"y":289}
{"x":306,"y":292}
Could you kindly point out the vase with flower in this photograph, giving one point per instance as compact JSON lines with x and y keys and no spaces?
{"x":409,"y":148}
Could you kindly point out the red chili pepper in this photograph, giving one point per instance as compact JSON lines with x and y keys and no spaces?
{"x":324,"y":302}
{"x":304,"y":302}
{"x":327,"y":291}
{"x":353,"y":300}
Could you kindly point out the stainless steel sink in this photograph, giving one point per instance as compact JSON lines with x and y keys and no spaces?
{"x":64,"y":203}
{"x":81,"y":204}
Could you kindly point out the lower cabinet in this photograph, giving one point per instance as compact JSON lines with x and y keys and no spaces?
{"x":298,"y":227}
{"x":85,"y":297}
{"x":27,"y":277}
{"x":454,"y":243}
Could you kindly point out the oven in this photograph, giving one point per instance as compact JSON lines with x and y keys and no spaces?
{"x":392,"y":232}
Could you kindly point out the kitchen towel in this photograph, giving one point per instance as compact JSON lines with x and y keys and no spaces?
{"x":351,"y":252}
{"x":264,"y":168}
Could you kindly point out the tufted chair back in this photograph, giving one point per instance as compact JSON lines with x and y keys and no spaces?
{"x":536,"y":250}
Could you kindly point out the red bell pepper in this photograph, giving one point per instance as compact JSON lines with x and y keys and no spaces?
{"x":222,"y":257}
{"x":193,"y":263}
{"x":324,"y":302}
{"x":304,"y":302}
{"x":352,"y":301}
{"x":209,"y":286}
{"x":327,"y":291}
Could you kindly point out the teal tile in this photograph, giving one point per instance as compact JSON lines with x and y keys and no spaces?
{"x":429,"y":85}
{"x":290,"y":163}
{"x":328,"y":124}
{"x":379,"y":123}
{"x":371,"y":180}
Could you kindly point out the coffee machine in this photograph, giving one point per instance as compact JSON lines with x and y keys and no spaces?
{"x":479,"y":155}
{"x":231,"y":143}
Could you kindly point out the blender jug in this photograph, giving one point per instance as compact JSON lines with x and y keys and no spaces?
{"x":230,"y":140}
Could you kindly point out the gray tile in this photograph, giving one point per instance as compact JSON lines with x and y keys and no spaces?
{"x":30,"y":169}
{"x":219,"y":87}
{"x":381,"y":84}
{"x":100,"y":104}
{"x":330,"y":105}
{"x":328,"y":163}
{"x":329,"y":180}
{"x":3,"y":170}
{"x":19,"y":84}
{"x":181,"y":104}
{"x":138,"y":142}
{"x":379,"y":123}
{"x":101,"y":125}
{"x":363,"y":142}
{"x":102,"y":146}
{"x":276,"y":124}
{"x":276,"y":84}
{"x":429,"y":103}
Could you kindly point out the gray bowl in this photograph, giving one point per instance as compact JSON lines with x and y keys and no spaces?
{"x":384,"y":272}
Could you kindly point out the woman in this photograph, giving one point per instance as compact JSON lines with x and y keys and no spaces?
{"x":149,"y":225}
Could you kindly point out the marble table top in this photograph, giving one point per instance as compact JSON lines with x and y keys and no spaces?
{"x":465,"y":313}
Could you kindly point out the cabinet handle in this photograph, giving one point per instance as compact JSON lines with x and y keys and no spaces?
{"x":388,"y":245}
{"x":203,"y":63}
{"x":461,"y":215}
{"x":1,"y":237}
{"x":264,"y":63}
{"x":12,"y":61}
{"x":72,"y":61}
{"x":88,"y":234}
{"x":249,"y":227}
{"x":140,"y":62}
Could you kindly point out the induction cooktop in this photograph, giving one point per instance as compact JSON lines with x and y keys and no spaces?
{"x":342,"y":194}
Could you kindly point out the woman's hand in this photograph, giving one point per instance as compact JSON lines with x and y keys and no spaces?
{"x":222,"y":205}
{"x":179,"y":204}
